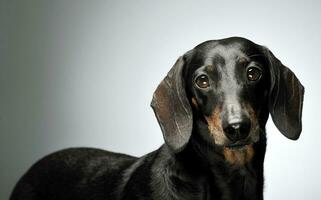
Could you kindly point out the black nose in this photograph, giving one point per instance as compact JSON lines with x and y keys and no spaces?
{"x":237,"y":130}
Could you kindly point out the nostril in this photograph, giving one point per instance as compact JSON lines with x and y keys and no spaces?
{"x":232,"y":129}
{"x":236,"y":126}
{"x":245,"y":129}
{"x":237,"y":131}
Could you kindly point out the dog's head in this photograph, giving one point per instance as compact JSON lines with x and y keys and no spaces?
{"x":226,"y":89}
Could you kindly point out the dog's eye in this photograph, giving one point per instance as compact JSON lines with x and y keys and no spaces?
{"x":254,"y":73}
{"x":202,"y":81}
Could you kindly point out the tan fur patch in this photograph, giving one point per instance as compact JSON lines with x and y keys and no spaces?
{"x":252,"y":114}
{"x":239,"y":156}
{"x":254,"y":122}
{"x":215,"y":127}
{"x":194,"y":102}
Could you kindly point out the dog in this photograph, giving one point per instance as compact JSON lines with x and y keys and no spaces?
{"x":212,"y":108}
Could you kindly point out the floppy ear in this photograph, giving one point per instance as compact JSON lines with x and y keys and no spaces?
{"x":286,"y":98}
{"x":172,"y":109}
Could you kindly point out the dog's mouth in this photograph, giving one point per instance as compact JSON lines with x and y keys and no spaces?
{"x":239,"y":145}
{"x":236,"y":146}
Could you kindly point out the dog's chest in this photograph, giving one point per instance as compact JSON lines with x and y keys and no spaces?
{"x":238,"y":184}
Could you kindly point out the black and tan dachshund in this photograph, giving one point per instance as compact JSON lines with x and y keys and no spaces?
{"x":212,"y":108}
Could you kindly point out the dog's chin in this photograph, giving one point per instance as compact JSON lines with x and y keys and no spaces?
{"x":241,"y":144}
{"x":238,"y":153}
{"x":238,"y":145}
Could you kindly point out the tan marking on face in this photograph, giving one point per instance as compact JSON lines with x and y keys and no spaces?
{"x":239,"y":156}
{"x":194,"y":102}
{"x":254,"y":122}
{"x":215,"y":127}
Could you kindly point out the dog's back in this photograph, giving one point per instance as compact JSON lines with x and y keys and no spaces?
{"x":75,"y":173}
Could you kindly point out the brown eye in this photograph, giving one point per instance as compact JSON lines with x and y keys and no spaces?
{"x":254,"y":73}
{"x":202,"y":81}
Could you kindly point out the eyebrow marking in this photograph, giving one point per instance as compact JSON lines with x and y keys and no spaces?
{"x":210,"y":67}
{"x":243,"y":60}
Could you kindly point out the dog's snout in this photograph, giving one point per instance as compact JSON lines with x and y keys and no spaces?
{"x":237,"y":130}
{"x":235,"y":122}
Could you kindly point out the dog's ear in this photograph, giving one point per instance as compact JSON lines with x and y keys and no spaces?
{"x":172,"y":109}
{"x":285,"y":98}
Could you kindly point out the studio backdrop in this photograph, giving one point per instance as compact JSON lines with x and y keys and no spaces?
{"x":82,"y":73}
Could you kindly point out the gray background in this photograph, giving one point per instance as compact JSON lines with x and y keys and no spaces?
{"x":82,"y":73}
